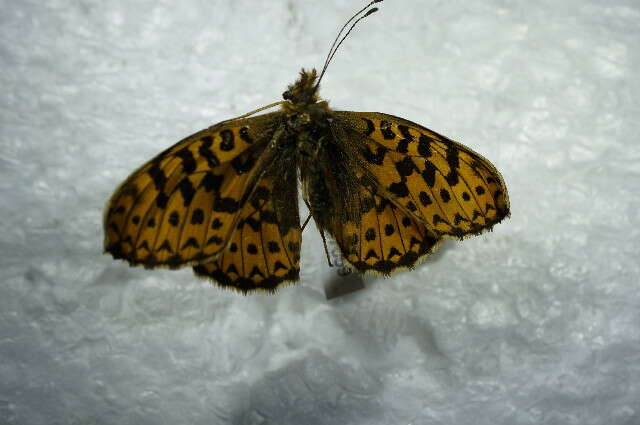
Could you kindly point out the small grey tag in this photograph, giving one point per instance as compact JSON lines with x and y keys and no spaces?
{"x":344,"y":280}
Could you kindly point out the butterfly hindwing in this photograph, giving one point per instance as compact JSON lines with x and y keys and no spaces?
{"x":264,"y":250}
{"x":385,"y":239}
{"x":181,"y":207}
{"x":443,"y":184}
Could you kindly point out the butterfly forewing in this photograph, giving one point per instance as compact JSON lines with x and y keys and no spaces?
{"x":182,"y":206}
{"x":441,"y":183}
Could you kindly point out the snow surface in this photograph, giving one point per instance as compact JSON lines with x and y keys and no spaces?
{"x":537,"y":322}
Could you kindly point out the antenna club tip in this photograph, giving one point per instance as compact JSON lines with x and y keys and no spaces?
{"x":374,"y":10}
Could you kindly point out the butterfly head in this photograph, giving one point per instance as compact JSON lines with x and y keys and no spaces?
{"x":303,"y":92}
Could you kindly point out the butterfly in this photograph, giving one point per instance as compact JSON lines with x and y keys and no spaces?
{"x":225,"y":199}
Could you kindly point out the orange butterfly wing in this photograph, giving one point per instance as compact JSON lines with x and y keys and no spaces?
{"x":182,"y":206}
{"x":264,"y":250}
{"x":442,"y":184}
{"x":385,"y":239}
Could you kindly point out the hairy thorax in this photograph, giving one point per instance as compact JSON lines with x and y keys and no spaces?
{"x":308,"y":118}
{"x":309,"y":127}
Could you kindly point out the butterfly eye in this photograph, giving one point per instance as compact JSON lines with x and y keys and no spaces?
{"x":286,"y":95}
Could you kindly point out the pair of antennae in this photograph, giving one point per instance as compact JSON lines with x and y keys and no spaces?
{"x":336,"y":44}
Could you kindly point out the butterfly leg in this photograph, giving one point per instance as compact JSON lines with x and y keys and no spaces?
{"x":326,"y":251}
{"x":324,"y":240}
{"x":305,"y":223}
{"x":255,"y":111}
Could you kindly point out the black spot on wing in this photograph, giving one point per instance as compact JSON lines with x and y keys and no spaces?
{"x":191,"y":243}
{"x":372,"y":254}
{"x":227,"y":144}
{"x":226,"y":205}
{"x":385,"y":129}
{"x":255,"y":225}
{"x":458,"y":218}
{"x":197,"y":217}
{"x":389,"y":229}
{"x":273,"y":247}
{"x":424,"y":146}
{"x":370,"y":127}
{"x":403,"y":144}
{"x":211,"y":182}
{"x":186,"y":190}
{"x":244,"y":135}
{"x":214,"y":240}
{"x":444,"y":195}
{"x":279,"y":266}
{"x":452,"y":157}
{"x":174,"y":218}
{"x":399,"y":189}
{"x":158,"y":176}
{"x":242,"y":165}
{"x":256,"y":272}
{"x":376,"y":157}
{"x":370,"y":235}
{"x":205,"y":151}
{"x":166,"y":246}
{"x":406,"y":166}
{"x":187,"y":160}
{"x":425,"y":199}
{"x":452,"y":178}
{"x":162,"y":200}
{"x":429,"y":173}
{"x":393,"y":252}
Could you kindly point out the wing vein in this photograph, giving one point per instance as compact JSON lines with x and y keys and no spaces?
{"x":399,"y":231}
{"x":264,"y":252}
{"x":242,"y":247}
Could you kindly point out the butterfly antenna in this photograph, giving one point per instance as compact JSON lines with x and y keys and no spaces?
{"x":336,"y":44}
{"x":344,"y":26}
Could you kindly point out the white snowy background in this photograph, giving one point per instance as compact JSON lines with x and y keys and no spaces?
{"x":537,"y":322}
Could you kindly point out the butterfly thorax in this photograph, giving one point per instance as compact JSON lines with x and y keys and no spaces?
{"x":307,"y":117}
